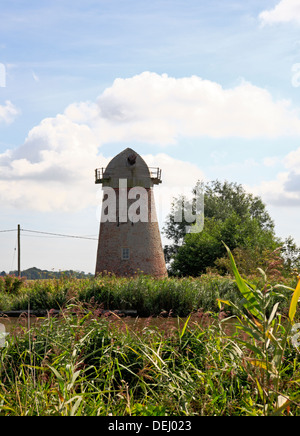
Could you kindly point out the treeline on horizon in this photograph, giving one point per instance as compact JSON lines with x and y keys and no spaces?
{"x":39,"y":274}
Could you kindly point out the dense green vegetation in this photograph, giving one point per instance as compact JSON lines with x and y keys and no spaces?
{"x":147,"y":296}
{"x":80,"y":364}
{"x":232,"y":216}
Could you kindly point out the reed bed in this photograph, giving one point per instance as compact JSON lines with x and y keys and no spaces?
{"x":78,"y":363}
{"x":146,"y":295}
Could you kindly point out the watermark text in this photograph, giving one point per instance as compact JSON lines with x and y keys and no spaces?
{"x":136,"y":204}
{"x":296,"y":75}
{"x":2,"y":76}
{"x":3,"y":335}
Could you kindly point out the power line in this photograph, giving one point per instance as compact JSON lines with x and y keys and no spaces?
{"x":36,"y":233}
{"x":25,"y":235}
{"x":51,"y":234}
{"x":59,"y":234}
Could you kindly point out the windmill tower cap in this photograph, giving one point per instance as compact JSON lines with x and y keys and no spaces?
{"x":131,"y":166}
{"x":127,"y":164}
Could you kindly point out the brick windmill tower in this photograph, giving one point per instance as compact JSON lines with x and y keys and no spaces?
{"x":129,"y":237}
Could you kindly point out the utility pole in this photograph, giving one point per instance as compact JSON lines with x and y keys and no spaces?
{"x":19,"y":250}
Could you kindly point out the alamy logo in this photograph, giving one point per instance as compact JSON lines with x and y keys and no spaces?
{"x":2,"y":76}
{"x":3,"y":335}
{"x":132,"y":204}
{"x":296,"y":335}
{"x":296,"y":75}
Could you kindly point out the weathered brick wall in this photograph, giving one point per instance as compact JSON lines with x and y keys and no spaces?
{"x":143,"y":240}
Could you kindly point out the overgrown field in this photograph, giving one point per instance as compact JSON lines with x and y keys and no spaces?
{"x":81,"y":365}
{"x":78,"y":363}
{"x":148,"y":296}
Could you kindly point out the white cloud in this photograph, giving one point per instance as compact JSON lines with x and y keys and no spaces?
{"x":285,"y":11}
{"x":8,"y":112}
{"x":53,"y":169}
{"x":284,"y":190}
{"x":273,"y":192}
{"x":160,"y":109}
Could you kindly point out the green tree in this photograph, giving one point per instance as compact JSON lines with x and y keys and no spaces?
{"x":291,"y":255}
{"x":232,"y":215}
{"x":220,"y":201}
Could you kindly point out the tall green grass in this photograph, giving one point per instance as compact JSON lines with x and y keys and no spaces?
{"x":266,"y":348}
{"x":147,"y":296}
{"x":82,"y":365}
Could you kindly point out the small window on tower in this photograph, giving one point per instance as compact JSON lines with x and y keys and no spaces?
{"x":125,"y":253}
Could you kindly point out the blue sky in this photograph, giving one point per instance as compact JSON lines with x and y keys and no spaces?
{"x":202,"y":89}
